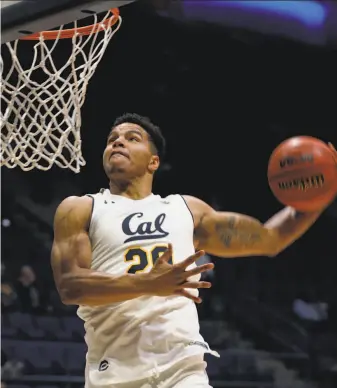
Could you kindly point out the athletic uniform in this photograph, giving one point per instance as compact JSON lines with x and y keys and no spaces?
{"x":148,"y":341}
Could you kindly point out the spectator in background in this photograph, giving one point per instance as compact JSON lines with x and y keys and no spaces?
{"x":30,"y":293}
{"x":10,"y":369}
{"x":8,"y":295}
{"x":209,"y":275}
{"x":206,"y":308}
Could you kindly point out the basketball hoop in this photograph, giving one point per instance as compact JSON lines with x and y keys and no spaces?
{"x":41,"y":101}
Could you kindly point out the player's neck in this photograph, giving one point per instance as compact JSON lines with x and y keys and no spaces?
{"x":133,"y":190}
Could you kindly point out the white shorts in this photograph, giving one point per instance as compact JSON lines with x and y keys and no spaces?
{"x":187,"y":373}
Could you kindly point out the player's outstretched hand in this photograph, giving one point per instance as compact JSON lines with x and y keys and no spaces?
{"x":168,"y":279}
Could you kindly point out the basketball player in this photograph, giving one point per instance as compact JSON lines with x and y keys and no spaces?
{"x":127,"y":257}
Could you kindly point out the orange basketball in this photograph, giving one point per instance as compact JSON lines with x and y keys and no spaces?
{"x":302,"y":173}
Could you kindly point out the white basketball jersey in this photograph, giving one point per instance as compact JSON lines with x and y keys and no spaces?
{"x":132,"y":339}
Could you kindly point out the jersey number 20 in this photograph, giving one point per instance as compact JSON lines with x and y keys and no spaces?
{"x":140,"y":258}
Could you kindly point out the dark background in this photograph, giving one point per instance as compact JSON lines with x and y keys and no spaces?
{"x":224,"y":98}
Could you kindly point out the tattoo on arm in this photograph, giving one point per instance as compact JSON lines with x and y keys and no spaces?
{"x":230,"y":232}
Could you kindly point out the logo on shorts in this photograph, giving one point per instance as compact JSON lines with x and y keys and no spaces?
{"x":104,"y":365}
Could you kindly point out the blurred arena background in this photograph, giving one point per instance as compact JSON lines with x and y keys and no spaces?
{"x":226,"y":81}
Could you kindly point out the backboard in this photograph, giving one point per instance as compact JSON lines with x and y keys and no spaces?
{"x":24,"y":17}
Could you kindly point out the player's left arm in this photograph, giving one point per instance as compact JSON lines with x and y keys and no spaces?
{"x":236,"y":235}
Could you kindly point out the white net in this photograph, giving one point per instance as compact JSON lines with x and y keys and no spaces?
{"x":41,"y":100}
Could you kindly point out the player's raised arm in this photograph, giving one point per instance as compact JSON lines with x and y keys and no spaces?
{"x":236,"y":235}
{"x":78,"y":284}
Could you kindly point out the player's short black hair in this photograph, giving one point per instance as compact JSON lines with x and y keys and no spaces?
{"x":155,"y":135}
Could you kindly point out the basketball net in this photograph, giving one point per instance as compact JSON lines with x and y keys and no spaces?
{"x":41,"y":101}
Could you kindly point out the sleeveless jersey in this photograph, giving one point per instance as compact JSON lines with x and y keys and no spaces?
{"x":133,"y":339}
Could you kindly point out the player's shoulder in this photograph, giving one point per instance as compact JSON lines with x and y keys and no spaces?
{"x":72,"y":216}
{"x":195,"y":203}
{"x":198,"y":208}
{"x":168,"y":197}
{"x":188,"y":199}
{"x":75,"y":202}
{"x":76,"y":207}
{"x":171,"y":198}
{"x":102,"y":193}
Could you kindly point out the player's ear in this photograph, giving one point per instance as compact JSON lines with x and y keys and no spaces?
{"x":154,"y":163}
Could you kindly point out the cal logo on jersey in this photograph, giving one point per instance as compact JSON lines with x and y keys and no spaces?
{"x":137,"y":229}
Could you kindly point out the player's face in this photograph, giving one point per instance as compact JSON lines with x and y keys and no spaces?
{"x":129,"y":152}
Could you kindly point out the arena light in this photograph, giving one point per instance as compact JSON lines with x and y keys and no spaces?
{"x":303,"y":20}
{"x":308,"y":12}
{"x":6,"y":223}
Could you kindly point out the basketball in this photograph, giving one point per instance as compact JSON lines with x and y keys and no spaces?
{"x":302,"y":173}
